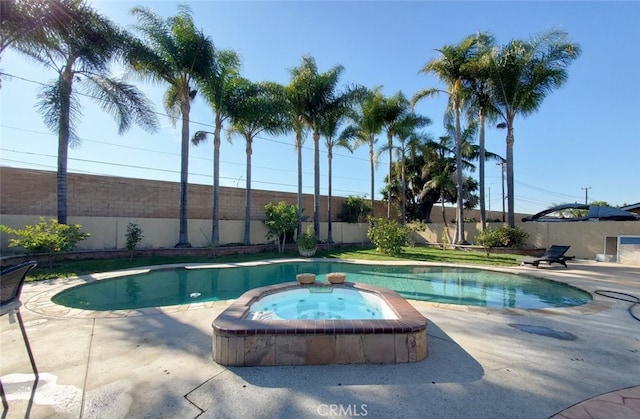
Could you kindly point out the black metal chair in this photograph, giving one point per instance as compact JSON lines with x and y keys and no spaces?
{"x":11,"y":282}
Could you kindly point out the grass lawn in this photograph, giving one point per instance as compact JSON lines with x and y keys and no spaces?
{"x":73,"y":268}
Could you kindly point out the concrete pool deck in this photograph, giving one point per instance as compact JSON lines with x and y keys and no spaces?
{"x":481,"y":363}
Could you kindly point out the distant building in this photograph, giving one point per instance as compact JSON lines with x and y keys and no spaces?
{"x":635,"y":208}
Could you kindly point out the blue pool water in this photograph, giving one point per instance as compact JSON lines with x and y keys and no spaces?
{"x":321,"y":303}
{"x":462,"y":286}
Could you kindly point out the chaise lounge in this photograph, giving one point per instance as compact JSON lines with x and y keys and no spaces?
{"x":554,"y":254}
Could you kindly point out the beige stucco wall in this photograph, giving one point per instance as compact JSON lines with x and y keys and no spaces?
{"x":585,"y":238}
{"x":110,"y":232}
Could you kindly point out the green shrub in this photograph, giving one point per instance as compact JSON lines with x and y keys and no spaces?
{"x":501,"y":237}
{"x":307,"y":240}
{"x":354,"y":209}
{"x":134,"y":238}
{"x":281,"y":220}
{"x":388,"y":235}
{"x":46,"y":237}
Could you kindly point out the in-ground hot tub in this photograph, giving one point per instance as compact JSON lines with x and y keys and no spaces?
{"x":251,"y":333}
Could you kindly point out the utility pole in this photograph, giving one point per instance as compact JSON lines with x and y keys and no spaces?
{"x":586,"y":194}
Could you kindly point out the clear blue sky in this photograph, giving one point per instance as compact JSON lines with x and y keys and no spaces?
{"x":585,"y":134}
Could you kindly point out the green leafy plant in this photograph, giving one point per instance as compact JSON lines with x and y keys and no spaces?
{"x":281,"y":221}
{"x":388,"y":235}
{"x":307,"y":240}
{"x":134,"y":238}
{"x":46,"y":237}
{"x":505,"y":236}
{"x":444,"y":237}
{"x":354,"y":209}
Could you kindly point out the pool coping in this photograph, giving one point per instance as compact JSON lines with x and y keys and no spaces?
{"x":42,"y":304}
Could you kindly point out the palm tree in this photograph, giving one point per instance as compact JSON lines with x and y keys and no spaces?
{"x":255,"y":108}
{"x":217,"y":90}
{"x":174,"y":52}
{"x":449,"y":68}
{"x":297,"y":104}
{"x":481,"y":103}
{"x":406,"y":131}
{"x":396,"y":107}
{"x":314,"y":95}
{"x":522,"y":74}
{"x":368,"y":122}
{"x":80,"y":57}
{"x":329,"y":129}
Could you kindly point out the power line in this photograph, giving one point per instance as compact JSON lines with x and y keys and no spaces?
{"x":204,"y":124}
{"x":209,"y":176}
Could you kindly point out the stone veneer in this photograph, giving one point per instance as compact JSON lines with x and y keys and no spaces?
{"x":238,"y":341}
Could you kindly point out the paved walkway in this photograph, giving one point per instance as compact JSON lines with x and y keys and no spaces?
{"x":481,"y":363}
{"x":620,"y":404}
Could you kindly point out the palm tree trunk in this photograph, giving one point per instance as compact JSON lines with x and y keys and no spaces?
{"x":247,"y":208}
{"x":329,"y":215}
{"x":510,"y":195}
{"x":390,"y":143}
{"x":183,"y":239}
{"x":299,"y":147}
{"x":64,"y":132}
{"x":215,"y":231}
{"x":459,"y":180}
{"x":483,"y":215}
{"x":371,"y":157}
{"x":316,"y":182}
{"x":404,"y":193}
{"x":444,"y":217}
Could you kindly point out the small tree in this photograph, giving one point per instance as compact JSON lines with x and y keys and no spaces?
{"x":134,"y":238}
{"x":354,"y":209}
{"x":46,"y":237}
{"x":388,"y":235}
{"x":281,"y":220}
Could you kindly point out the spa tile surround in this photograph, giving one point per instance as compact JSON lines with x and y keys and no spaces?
{"x":238,"y":341}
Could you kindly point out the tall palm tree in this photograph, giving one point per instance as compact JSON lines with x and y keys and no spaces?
{"x":217,"y":89}
{"x":481,"y":103}
{"x":368,"y":122}
{"x":80,"y":56}
{"x":406,"y":131}
{"x":396,"y":107}
{"x":314,"y":95}
{"x":175,"y":53}
{"x":522,"y":74}
{"x":333,"y":138}
{"x":255,"y":108}
{"x":297,"y":105}
{"x":449,"y":68}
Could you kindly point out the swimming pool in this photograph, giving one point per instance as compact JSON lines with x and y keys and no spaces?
{"x":464,"y":286}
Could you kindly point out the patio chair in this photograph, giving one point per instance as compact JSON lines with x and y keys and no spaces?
{"x":11,"y":282}
{"x":554,"y":254}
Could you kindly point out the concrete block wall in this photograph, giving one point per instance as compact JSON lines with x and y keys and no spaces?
{"x":33,"y":192}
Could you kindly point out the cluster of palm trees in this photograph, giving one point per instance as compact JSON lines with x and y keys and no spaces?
{"x":497,"y":83}
{"x":483,"y":80}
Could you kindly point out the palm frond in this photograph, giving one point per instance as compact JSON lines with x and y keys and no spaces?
{"x":123,"y":101}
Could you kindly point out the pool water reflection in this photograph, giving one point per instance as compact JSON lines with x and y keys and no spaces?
{"x":464,"y":286}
